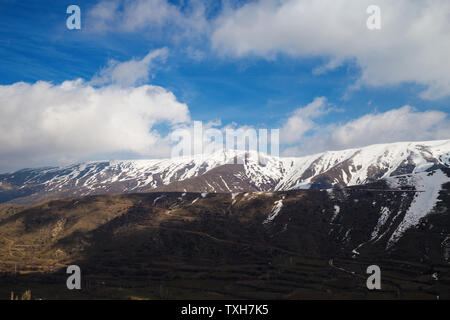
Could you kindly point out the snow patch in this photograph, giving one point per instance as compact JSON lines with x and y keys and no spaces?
{"x":275,"y":210}
{"x":233,"y":196}
{"x":428,"y":184}
{"x":158,"y":198}
{"x":385,"y":213}
{"x":337,"y":209}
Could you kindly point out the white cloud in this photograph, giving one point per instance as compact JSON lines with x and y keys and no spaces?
{"x":301,"y":121}
{"x":103,"y":15}
{"x":130,"y":72}
{"x":402,"y":124}
{"x":42,"y":123}
{"x":413,"y":44}
{"x":151,"y":15}
{"x":195,"y":54}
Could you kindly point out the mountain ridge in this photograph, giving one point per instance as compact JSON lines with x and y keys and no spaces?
{"x":245,"y":244}
{"x":255,"y":172}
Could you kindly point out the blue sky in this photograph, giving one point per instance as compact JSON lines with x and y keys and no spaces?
{"x":261,"y":85}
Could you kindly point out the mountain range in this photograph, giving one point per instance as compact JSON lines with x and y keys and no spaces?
{"x":240,"y":225}
{"x":226,"y":172}
{"x":296,"y":244}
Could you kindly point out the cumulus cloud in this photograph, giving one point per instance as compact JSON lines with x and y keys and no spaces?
{"x":412,"y":45}
{"x":130,"y":72}
{"x":301,"y":121}
{"x":46,"y":123}
{"x":402,"y":124}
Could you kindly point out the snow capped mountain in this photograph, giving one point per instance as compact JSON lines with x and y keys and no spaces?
{"x":376,"y":197}
{"x":230,"y":171}
{"x":363,"y":165}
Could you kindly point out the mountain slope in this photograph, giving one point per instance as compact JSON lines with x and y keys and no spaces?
{"x":220,"y":173}
{"x":368,"y":164}
{"x":286,"y":244}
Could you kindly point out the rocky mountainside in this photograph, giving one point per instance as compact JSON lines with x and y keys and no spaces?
{"x":284,"y":244}
{"x":230,"y":171}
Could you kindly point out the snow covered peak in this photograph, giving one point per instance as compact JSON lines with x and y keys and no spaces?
{"x":367,"y":164}
{"x":261,"y":171}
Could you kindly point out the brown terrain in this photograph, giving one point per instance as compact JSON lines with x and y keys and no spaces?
{"x":175,"y":245}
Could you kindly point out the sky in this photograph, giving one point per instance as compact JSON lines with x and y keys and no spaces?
{"x":137,"y":70}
